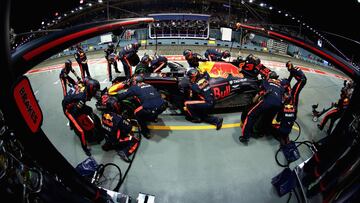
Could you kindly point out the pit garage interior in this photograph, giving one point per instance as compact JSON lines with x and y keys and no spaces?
{"x":194,"y":162}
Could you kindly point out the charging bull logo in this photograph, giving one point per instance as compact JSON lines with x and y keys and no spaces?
{"x":219,"y":94}
{"x":219,"y":69}
{"x":107,"y":120}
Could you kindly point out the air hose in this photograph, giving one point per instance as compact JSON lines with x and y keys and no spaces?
{"x":101,"y":168}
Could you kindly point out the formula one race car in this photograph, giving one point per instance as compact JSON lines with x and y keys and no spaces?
{"x":230,"y":88}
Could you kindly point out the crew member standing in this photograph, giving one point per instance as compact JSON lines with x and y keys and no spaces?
{"x":81,"y":59}
{"x":286,"y":118}
{"x":65,"y":78}
{"x":270,"y":104}
{"x":111,"y":57}
{"x":300,"y":77}
{"x":126,"y":54}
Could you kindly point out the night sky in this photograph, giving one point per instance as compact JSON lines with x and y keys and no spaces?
{"x":324,"y":15}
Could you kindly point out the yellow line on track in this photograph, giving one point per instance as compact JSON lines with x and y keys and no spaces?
{"x":197,"y":127}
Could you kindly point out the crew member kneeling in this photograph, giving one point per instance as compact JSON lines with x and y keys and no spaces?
{"x":336,"y":113}
{"x":120,"y":136}
{"x":151,"y":103}
{"x":203,"y":100}
{"x":73,"y":107}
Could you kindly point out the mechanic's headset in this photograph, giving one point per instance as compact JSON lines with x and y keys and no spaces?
{"x":92,"y":86}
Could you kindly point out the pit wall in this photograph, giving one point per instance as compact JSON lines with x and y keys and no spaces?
{"x":251,"y":42}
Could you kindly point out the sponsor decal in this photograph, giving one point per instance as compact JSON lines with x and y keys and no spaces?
{"x":219,"y":94}
{"x":237,"y":81}
{"x":27,"y":104}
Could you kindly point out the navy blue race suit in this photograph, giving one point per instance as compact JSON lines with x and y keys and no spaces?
{"x":202,"y":101}
{"x":269,"y":106}
{"x":110,"y":56}
{"x":286,"y":118}
{"x":334,"y":114}
{"x":65,"y":78}
{"x":252,"y":69}
{"x":81,"y":59}
{"x":151,"y":103}
{"x":300,"y":77}
{"x":73,"y":105}
{"x":194,"y":59}
{"x":119,"y":133}
{"x":213,"y":54}
{"x":158,"y":63}
{"x":124,"y":55}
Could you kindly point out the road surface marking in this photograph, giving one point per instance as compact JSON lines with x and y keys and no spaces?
{"x":197,"y":127}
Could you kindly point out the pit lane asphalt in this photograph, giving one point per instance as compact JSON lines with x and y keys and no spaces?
{"x":193,"y":165}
